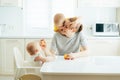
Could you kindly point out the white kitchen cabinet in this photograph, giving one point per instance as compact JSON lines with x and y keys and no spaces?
{"x":96,"y":47}
{"x":98,"y":3}
{"x":11,"y":3}
{"x":0,"y":56}
{"x":27,"y":56}
{"x":104,"y":47}
{"x":118,"y":15}
{"x":7,"y":56}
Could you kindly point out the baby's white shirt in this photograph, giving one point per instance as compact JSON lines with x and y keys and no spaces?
{"x":37,"y":63}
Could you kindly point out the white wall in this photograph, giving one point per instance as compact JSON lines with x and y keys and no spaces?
{"x":12,"y":18}
{"x":92,"y":15}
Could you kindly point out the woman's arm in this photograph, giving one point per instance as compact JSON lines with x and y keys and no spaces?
{"x":83,"y":52}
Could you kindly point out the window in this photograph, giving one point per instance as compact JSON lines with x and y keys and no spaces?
{"x":67,"y":7}
{"x":38,"y":15}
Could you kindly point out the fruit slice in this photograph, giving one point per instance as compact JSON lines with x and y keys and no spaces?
{"x":66,"y":56}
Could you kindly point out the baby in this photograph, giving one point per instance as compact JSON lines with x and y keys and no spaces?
{"x":35,"y":49}
{"x":58,"y":21}
{"x":61,"y":23}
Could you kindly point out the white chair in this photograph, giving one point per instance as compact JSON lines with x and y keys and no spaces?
{"x":24,"y":67}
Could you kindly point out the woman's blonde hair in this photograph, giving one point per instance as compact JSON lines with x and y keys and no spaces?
{"x":79,"y":28}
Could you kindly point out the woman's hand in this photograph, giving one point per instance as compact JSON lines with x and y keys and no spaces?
{"x":71,"y":56}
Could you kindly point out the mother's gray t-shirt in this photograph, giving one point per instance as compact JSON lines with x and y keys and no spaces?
{"x":63,"y":45}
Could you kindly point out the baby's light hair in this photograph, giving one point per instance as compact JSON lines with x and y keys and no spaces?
{"x":31,"y":47}
{"x":59,"y":19}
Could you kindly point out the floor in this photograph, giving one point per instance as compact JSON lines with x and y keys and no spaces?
{"x":6,"y":78}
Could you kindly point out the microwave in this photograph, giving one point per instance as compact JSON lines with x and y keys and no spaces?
{"x":106,"y":29}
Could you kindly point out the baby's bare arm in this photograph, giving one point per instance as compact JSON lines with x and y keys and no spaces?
{"x":43,"y":45}
{"x":44,"y":59}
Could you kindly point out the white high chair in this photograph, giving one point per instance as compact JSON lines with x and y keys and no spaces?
{"x":24,"y":67}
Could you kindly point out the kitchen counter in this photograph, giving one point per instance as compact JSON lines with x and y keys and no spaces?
{"x":101,"y":38}
{"x":25,"y":37}
{"x":50,"y":36}
{"x":84,"y":68}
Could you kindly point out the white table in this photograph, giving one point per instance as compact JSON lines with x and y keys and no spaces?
{"x":84,"y":68}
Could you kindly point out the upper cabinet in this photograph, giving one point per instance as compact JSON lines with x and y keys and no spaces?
{"x":98,"y":3}
{"x":118,"y":14}
{"x":11,"y":3}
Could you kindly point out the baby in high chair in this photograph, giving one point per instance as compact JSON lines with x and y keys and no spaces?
{"x":34,"y":49}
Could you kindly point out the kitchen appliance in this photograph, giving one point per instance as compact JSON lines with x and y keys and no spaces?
{"x":106,"y":29}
